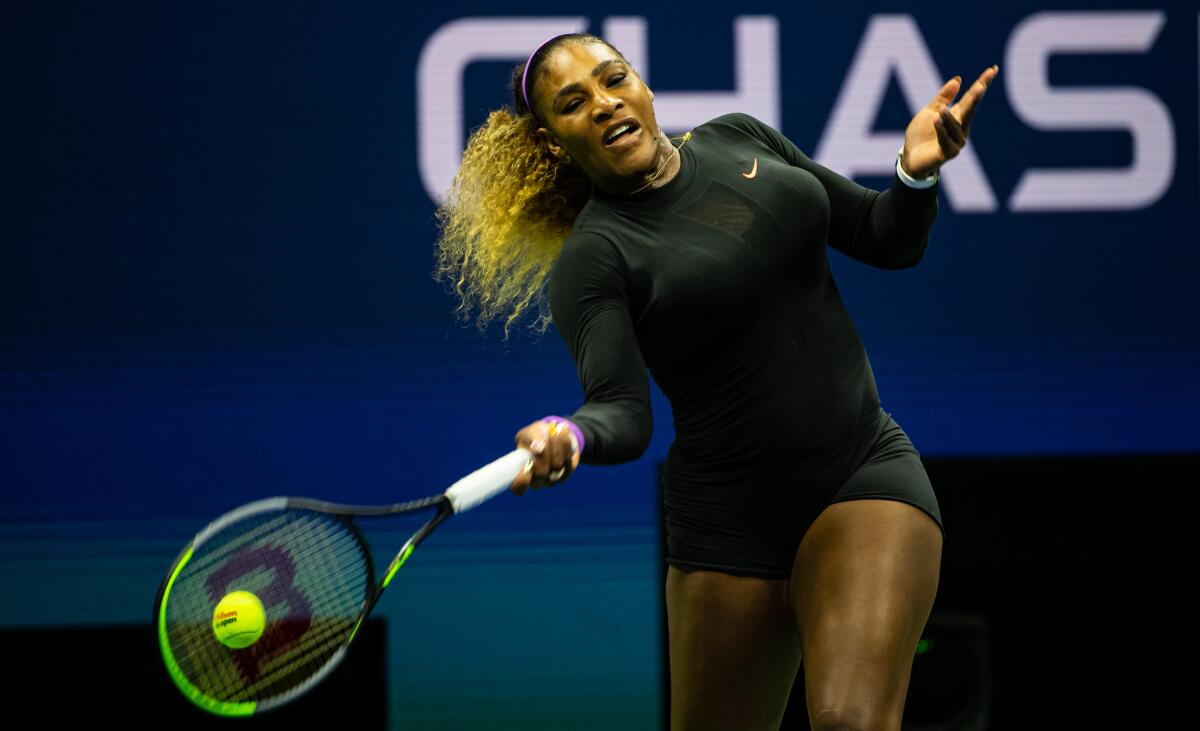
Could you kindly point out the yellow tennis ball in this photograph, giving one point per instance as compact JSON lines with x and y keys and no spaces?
{"x":239,"y":619}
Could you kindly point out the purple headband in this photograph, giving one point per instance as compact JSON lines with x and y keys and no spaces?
{"x":525,"y":73}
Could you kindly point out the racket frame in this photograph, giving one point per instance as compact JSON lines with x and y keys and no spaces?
{"x":468,"y":492}
{"x":345,"y":513}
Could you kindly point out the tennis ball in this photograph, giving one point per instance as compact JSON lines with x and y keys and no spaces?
{"x":239,"y":619}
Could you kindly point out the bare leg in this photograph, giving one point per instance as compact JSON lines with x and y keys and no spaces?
{"x":734,"y":651}
{"x":862,"y":587}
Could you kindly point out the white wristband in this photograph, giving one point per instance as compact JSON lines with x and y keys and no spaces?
{"x":910,"y":181}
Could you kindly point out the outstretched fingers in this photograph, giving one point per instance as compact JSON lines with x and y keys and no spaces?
{"x":965,"y":109}
{"x":946,"y":94}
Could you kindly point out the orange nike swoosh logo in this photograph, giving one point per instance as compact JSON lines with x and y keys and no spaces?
{"x":753,"y":171}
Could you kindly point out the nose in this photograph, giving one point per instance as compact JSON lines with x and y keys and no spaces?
{"x":607,"y":106}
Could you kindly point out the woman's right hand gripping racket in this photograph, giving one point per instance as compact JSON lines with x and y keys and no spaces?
{"x":302,"y":582}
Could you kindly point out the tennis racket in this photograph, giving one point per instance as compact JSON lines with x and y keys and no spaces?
{"x":310,"y":567}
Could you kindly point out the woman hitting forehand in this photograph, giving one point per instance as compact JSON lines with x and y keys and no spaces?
{"x":800,"y":521}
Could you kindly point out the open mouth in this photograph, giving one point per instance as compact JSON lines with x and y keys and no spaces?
{"x":617,"y":133}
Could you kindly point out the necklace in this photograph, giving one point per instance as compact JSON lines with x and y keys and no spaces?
{"x":675,"y":150}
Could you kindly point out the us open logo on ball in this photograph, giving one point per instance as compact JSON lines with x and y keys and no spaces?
{"x":224,"y":618}
{"x":239,"y":620}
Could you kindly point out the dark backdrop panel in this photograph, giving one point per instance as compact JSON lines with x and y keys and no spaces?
{"x":111,"y":676}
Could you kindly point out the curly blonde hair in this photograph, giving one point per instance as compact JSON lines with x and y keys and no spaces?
{"x":508,"y":212}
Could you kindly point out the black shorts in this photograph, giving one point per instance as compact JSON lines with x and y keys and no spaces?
{"x":754,"y":528}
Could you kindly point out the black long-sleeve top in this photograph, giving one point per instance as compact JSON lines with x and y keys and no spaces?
{"x":718,"y":282}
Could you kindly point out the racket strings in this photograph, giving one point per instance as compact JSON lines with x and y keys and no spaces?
{"x":311,"y":572}
{"x":335,"y":603}
{"x":305,"y":625}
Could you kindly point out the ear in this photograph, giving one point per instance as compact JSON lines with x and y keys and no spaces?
{"x":557,"y":150}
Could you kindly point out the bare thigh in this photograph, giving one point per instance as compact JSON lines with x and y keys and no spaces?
{"x":734,"y":650}
{"x":862,"y":587}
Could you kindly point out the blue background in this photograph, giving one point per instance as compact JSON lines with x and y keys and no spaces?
{"x":215,"y":259}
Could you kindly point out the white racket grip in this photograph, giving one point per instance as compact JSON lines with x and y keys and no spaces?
{"x":488,"y":481}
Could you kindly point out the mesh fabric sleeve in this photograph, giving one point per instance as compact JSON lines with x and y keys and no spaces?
{"x":887,"y":229}
{"x":589,"y":300}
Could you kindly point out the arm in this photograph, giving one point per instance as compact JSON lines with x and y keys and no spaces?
{"x":891,"y":229}
{"x":887,"y":230}
{"x":590,"y":304}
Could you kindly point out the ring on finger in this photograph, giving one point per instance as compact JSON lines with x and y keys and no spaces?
{"x":556,"y":475}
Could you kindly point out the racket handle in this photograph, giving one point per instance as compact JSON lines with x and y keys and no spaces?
{"x":488,"y":481}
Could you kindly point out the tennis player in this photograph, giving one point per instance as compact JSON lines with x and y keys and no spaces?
{"x":800,"y":521}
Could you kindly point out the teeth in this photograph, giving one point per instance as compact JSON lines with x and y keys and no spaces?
{"x":618,"y":131}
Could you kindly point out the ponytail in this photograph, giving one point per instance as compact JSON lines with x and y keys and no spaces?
{"x":509,"y":210}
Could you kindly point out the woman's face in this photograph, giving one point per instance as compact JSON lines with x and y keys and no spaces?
{"x":600,"y":114}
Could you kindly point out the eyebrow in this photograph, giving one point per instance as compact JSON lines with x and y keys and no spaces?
{"x":572,"y":88}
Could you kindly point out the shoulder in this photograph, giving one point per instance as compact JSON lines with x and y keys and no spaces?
{"x":740,"y":123}
{"x":743,"y":128}
{"x":589,"y":275}
{"x":592,"y":241}
{"x":588,"y":259}
{"x":587,"y":251}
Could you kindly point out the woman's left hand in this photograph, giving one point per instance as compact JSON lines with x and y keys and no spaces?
{"x":938,"y":132}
